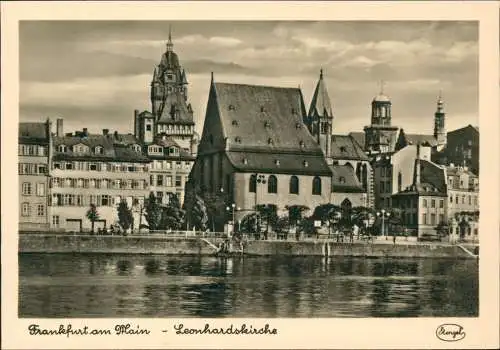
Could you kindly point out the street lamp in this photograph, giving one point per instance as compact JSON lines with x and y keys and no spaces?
{"x":259,"y":179}
{"x":382,"y":214}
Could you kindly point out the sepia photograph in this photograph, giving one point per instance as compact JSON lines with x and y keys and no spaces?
{"x":250,"y":175}
{"x":248,"y":169}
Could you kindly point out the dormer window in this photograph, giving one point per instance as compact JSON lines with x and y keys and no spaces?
{"x":270,"y":141}
{"x":136,"y":148}
{"x":342,"y":180}
{"x":305,"y":163}
{"x":80,"y":148}
{"x":277,"y":162}
{"x":245,"y":161}
{"x":262,"y":109}
{"x":231,"y":107}
{"x":343,"y":149}
{"x":173,"y":151}
{"x":267,"y":124}
{"x":298,"y":125}
{"x":237,"y":139}
{"x":234,"y":123}
{"x":302,"y":144}
{"x":98,"y":150}
{"x":62,"y":148}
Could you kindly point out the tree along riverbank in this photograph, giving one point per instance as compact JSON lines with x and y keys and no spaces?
{"x":192,"y":245}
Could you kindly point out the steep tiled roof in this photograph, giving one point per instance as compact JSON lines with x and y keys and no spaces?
{"x":263,"y":117}
{"x":175,"y":110}
{"x":432,"y":180}
{"x":284,"y":163}
{"x":33,"y":133}
{"x":344,"y":179}
{"x":359,"y":137}
{"x":422,"y":139}
{"x":111,"y":150}
{"x":320,"y":103}
{"x":456,"y":170}
{"x":346,"y":147}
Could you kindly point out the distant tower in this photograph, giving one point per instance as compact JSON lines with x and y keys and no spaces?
{"x":319,"y":120}
{"x":439,"y":124}
{"x":380,"y":136}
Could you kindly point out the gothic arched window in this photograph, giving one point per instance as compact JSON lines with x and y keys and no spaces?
{"x":316,"y":186}
{"x":294,"y":185}
{"x":400,"y":181}
{"x":252,"y":184}
{"x":272,"y":184}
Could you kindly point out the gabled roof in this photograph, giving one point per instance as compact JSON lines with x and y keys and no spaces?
{"x":263,"y":117}
{"x":175,"y":110}
{"x":463,"y":129}
{"x":432,"y":180}
{"x":346,"y":147}
{"x":344,"y":179}
{"x":33,"y":133}
{"x":320,"y":103}
{"x":359,"y":137}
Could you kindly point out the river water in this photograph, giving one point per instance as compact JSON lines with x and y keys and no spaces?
{"x":84,"y":286}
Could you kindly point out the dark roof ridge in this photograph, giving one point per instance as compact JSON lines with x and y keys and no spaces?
{"x":258,"y":85}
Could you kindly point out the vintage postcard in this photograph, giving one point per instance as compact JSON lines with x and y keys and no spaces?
{"x":250,"y":175}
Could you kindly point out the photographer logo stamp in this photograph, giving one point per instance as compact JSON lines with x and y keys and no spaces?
{"x":450,"y":332}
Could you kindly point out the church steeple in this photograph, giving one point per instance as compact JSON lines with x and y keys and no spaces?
{"x":320,"y":117}
{"x":170,"y":45}
{"x":439,"y":123}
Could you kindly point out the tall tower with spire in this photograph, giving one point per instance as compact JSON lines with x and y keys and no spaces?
{"x":380,"y":136}
{"x":173,"y":114}
{"x":439,"y":124}
{"x":319,"y":120}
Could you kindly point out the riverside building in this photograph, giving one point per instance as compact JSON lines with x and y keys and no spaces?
{"x":94,"y":169}
{"x":34,"y":151}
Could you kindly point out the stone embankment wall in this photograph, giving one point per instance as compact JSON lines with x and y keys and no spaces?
{"x":400,"y":250}
{"x":41,"y":243}
{"x":50,"y":243}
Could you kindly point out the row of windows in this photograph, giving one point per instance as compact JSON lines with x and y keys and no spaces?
{"x":28,"y":189}
{"x":100,"y":166}
{"x":272,"y":184}
{"x":178,"y":129}
{"x":80,"y":200}
{"x":470,"y":198}
{"x":164,"y":196}
{"x":172,"y":151}
{"x":167,"y":165}
{"x":98,"y":183}
{"x":433,"y":203}
{"x":160,"y":180}
{"x":32,"y":169}
{"x":468,"y":230}
{"x":32,"y":150}
{"x":432,"y":217}
{"x":385,"y":172}
{"x":80,"y":148}
{"x":26,"y":209}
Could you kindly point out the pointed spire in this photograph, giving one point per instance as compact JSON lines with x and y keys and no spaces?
{"x":321,"y":73}
{"x":440,"y":104}
{"x":170,"y":45}
{"x":212,"y":77}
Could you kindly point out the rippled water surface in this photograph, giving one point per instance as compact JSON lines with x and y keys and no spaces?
{"x":68,"y":285}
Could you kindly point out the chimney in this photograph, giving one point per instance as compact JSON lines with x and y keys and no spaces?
{"x":105,"y":132}
{"x":59,"y":127}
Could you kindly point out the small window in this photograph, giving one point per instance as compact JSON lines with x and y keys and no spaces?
{"x":231,"y":107}
{"x":262,"y":109}
{"x":245,"y":161}
{"x":272,"y":184}
{"x":270,"y":141}
{"x":98,"y":150}
{"x":277,"y":162}
{"x":62,"y":148}
{"x":69,"y":166}
{"x":343,"y":149}
{"x":302,"y":144}
{"x":294,"y":111}
{"x":148,"y":127}
{"x":316,"y":186}
{"x":305,"y":163}
{"x":235,"y":123}
{"x":267,"y":124}
{"x":25,"y":209}
{"x":26,"y":189}
{"x":294,"y":185}
{"x":342,"y":180}
{"x":298,"y":125}
{"x":237,"y":139}
{"x":40,"y":210}
{"x":252,"y":184}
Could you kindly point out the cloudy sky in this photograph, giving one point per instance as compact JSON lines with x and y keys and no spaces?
{"x":94,"y":74}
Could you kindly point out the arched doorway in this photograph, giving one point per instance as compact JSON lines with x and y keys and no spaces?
{"x":346,"y":207}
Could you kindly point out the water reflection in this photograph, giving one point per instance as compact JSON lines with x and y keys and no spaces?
{"x":164,"y":286}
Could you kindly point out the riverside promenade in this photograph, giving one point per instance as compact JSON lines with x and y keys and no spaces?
{"x":185,"y":244}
